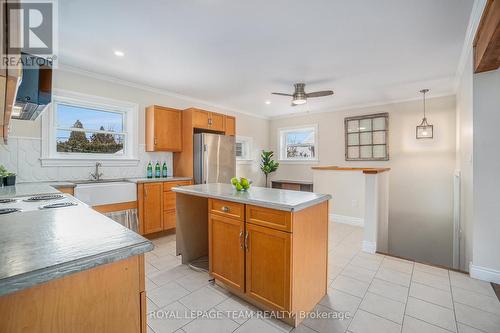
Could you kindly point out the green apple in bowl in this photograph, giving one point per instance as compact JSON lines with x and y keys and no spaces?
{"x":241,"y":184}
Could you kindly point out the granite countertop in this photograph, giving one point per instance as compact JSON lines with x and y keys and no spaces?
{"x":157,"y":180}
{"x":38,"y":246}
{"x":286,"y":200}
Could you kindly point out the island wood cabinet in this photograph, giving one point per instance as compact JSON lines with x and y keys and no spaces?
{"x":156,"y":206}
{"x":275,"y":259}
{"x":163,"y":129}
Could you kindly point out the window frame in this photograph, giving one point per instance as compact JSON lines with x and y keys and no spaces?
{"x":282,"y":146}
{"x":50,"y":155}
{"x":248,"y":141}
{"x":372,"y":131}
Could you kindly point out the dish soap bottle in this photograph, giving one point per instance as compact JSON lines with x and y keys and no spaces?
{"x":157,"y":170}
{"x":164,"y":172}
{"x":150,"y":170}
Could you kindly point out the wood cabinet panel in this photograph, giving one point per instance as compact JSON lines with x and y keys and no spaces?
{"x":153,"y":207}
{"x":67,"y":190}
{"x":217,"y":122}
{"x":163,"y":129}
{"x":201,"y":119}
{"x":169,"y":219}
{"x":272,"y":218}
{"x":169,"y":200}
{"x":226,"y":252}
{"x":268,"y":266}
{"x":227,"y":208}
{"x":230,"y":125}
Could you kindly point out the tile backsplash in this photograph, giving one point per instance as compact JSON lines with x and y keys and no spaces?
{"x":22,"y":156}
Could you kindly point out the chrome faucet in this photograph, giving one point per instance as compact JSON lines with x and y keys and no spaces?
{"x":97,"y":175}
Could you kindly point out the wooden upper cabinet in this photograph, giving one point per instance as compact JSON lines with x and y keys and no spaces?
{"x":487,"y":39}
{"x":153,"y":207}
{"x":230,"y":125}
{"x":201,"y":119}
{"x":217,"y":122}
{"x":163,"y":129}
{"x":226,"y":250}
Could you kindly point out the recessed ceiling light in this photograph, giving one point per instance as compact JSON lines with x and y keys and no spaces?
{"x":267,"y":102}
{"x":119,"y":54}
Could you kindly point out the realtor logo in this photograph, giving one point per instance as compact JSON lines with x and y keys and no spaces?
{"x":31,"y":29}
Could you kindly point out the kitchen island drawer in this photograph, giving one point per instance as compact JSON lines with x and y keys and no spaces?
{"x":227,"y":208}
{"x":271,"y":218}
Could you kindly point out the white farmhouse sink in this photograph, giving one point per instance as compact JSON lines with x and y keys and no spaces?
{"x":106,"y":193}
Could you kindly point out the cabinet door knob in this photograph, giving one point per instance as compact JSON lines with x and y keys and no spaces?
{"x":246,"y":240}
{"x":225,"y":209}
{"x":156,"y":141}
{"x":241,"y":239}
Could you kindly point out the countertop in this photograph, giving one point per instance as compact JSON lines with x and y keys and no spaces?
{"x":26,"y":189}
{"x":157,"y":180}
{"x":38,"y":246}
{"x":259,"y":196}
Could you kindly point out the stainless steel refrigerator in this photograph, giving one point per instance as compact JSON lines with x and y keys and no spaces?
{"x":214,"y":158}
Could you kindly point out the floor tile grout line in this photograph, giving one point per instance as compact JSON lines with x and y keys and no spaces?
{"x":480,"y":330}
{"x":407,"y":297}
{"x":430,"y":323}
{"x":476,"y":308}
{"x":476,"y":293}
{"x":453,"y":303}
{"x":426,"y":301}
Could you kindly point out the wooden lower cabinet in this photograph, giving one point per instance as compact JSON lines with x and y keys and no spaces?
{"x":107,"y":298}
{"x":274,"y":259}
{"x":226,"y":250}
{"x":153,"y":203}
{"x":268,"y":266}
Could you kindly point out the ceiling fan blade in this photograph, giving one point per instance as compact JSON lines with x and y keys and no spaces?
{"x":281,"y":94}
{"x":320,"y":93}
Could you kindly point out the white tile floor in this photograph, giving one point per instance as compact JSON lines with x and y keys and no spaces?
{"x":382,"y":294}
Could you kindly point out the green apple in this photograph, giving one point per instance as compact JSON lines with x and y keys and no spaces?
{"x":234,"y":181}
{"x":239,"y":187}
{"x":244,"y":182}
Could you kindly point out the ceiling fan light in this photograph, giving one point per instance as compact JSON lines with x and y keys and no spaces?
{"x":299,"y":101}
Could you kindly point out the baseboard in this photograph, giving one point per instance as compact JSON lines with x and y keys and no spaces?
{"x":369,"y":247}
{"x":356,"y":221}
{"x":484,"y":273}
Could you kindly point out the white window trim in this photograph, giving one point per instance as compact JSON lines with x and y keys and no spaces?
{"x":281,"y":154}
{"x":50,"y":156}
{"x":249,"y":141}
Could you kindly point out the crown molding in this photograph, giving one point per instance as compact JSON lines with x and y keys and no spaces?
{"x":361,"y":106}
{"x":474,"y":19}
{"x":196,"y":102}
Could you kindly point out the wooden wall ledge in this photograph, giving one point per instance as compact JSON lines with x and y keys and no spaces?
{"x":369,"y":171}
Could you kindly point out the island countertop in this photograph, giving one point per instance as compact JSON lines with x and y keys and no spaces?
{"x":286,"y":200}
{"x":38,"y":246}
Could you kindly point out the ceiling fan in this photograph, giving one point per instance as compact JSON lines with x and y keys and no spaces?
{"x":299,"y":96}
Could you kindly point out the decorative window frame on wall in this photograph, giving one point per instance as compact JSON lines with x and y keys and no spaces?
{"x":247,"y":149}
{"x":51,"y":158}
{"x":282,"y":145}
{"x":367,"y":133}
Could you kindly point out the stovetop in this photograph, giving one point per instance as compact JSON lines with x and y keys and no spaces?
{"x":37,"y":202}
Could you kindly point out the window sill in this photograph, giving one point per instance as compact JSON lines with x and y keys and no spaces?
{"x":305,"y":162}
{"x":244,"y":161}
{"x":105,"y":162}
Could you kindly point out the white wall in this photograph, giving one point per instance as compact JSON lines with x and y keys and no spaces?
{"x":421,"y":179}
{"x":486,"y":246}
{"x":465,"y":162}
{"x":23,"y":151}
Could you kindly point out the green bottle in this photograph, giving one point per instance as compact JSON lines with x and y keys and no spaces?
{"x":164,"y":172}
{"x":150,"y":170}
{"x":157,"y":170}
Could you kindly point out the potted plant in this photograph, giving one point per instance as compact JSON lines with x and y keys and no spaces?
{"x":268,"y":165}
{"x":8,"y":178}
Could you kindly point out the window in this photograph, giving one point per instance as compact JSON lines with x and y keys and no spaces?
{"x":299,"y":143}
{"x":81,"y":129}
{"x":243,"y":148}
{"x":367,"y":138}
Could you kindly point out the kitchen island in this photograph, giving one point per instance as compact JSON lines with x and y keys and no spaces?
{"x":267,"y":246}
{"x":69,"y":269}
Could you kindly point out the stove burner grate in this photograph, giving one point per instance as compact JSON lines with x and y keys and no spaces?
{"x":4,"y":211}
{"x":58,"y":205}
{"x":45,"y":197}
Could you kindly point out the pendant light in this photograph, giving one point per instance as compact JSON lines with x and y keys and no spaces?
{"x":425,"y":130}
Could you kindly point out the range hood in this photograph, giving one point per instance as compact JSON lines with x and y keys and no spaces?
{"x":35,"y":90}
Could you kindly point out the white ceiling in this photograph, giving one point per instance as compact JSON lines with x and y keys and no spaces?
{"x":234,"y":53}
